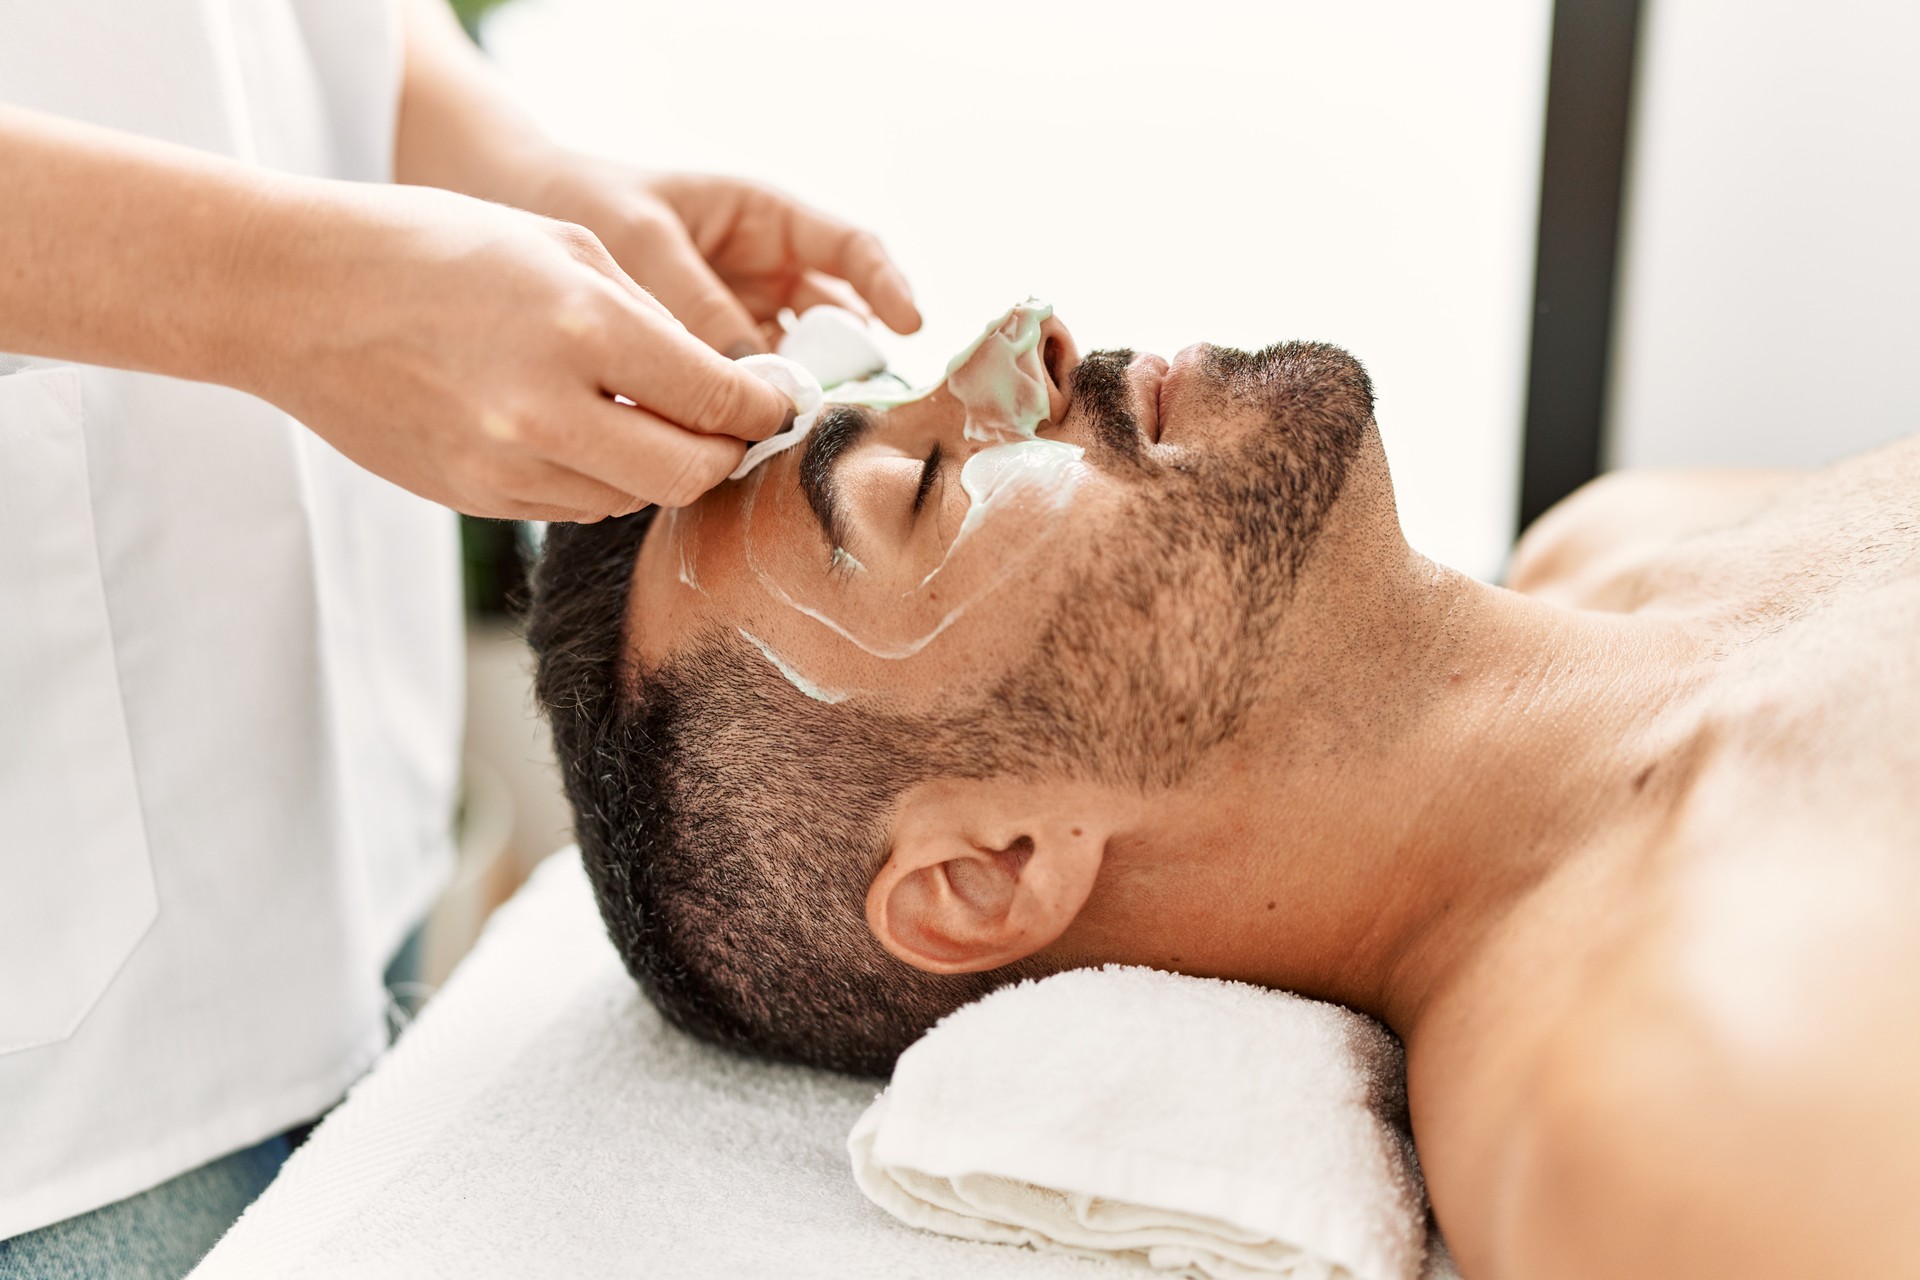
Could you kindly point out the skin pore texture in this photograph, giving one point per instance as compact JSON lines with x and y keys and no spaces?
{"x":1624,"y":855}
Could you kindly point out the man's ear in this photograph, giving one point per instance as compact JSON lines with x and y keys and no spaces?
{"x":984,"y":873}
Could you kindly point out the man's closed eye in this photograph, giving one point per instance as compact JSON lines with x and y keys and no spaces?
{"x":928,"y":474}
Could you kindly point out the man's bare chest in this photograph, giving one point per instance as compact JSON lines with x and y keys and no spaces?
{"x":1771,"y":906}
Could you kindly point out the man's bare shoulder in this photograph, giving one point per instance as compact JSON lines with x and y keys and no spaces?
{"x":1682,"y":1133}
{"x":1729,"y":1087}
{"x":1634,"y":539}
{"x":1697,"y":1052}
{"x":1694,"y":1052}
{"x":1579,"y":549}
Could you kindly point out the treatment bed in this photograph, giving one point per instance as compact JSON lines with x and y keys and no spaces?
{"x":540,"y":1119}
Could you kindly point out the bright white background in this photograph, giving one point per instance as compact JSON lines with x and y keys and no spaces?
{"x":1768,"y":309}
{"x":1364,"y":173}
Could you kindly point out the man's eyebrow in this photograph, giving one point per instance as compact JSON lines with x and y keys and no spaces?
{"x":840,"y":428}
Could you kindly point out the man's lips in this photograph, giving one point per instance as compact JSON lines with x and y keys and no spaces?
{"x":1173,"y":381}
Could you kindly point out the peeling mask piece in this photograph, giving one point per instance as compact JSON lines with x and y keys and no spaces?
{"x":794,"y":678}
{"x":1001,"y":378}
{"x":1001,"y":383}
{"x":881,"y":391}
{"x":1048,"y":468}
{"x":1046,"y":471}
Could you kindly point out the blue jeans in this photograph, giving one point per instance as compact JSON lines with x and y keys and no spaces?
{"x":159,"y":1234}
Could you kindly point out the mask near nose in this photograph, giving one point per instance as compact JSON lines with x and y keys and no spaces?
{"x":1001,"y":378}
{"x":1000,"y":382}
{"x":826,"y":355}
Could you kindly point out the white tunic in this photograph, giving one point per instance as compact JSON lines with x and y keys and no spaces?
{"x":230,"y":667}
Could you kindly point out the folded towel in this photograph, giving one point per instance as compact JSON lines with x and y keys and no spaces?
{"x":1209,"y":1127}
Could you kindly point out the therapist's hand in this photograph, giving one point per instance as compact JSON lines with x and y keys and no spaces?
{"x":724,"y":255}
{"x":472,"y":353}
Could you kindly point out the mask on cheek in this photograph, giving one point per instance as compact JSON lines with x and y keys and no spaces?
{"x":1019,"y":488}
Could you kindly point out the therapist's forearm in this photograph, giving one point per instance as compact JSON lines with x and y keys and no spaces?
{"x":468,"y":352}
{"x":459,"y":128}
{"x":123,"y":251}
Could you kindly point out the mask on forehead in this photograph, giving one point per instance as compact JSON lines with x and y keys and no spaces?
{"x":1000,"y":383}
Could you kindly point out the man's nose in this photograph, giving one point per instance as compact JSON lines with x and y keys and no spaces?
{"x":1059,"y":358}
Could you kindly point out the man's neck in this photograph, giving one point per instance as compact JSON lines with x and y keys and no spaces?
{"x":1360,"y":845}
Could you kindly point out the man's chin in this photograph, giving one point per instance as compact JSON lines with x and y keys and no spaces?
{"x":1311,"y":393}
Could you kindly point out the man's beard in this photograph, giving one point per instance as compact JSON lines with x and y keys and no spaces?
{"x":1159,"y":649}
{"x":1265,"y":497}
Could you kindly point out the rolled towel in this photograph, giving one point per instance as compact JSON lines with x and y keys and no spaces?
{"x":1198,"y":1126}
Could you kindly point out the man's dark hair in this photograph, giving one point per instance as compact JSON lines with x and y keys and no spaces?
{"x":731,"y":826}
{"x":729,"y":834}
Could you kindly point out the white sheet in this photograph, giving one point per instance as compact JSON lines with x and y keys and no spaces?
{"x":541,"y":1120}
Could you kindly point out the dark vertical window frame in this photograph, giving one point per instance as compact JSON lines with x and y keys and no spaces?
{"x":1590,"y":82}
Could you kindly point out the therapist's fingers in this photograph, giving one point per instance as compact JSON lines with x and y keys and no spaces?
{"x":590,"y":251}
{"x":823,"y":243}
{"x":666,"y":370}
{"x":555,"y":493}
{"x":816,"y":288}
{"x":683,"y":281}
{"x":634,"y":452}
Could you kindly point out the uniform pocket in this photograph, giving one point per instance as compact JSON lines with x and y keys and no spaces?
{"x":76,"y":883}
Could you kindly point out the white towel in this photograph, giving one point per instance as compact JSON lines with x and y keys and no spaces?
{"x":1205,"y":1127}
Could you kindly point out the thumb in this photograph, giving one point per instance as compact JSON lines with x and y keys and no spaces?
{"x":665,"y":370}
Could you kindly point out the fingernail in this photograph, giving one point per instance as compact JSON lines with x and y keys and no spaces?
{"x":744,"y":348}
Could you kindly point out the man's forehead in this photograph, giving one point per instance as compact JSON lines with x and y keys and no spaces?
{"x":694,"y":576}
{"x":692,"y":584}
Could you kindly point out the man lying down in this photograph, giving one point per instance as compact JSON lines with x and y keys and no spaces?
{"x":1078,"y":660}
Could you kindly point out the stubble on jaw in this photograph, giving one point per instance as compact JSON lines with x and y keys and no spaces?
{"x":1158,"y":651}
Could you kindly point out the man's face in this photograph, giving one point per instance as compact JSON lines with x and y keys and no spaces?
{"x":912,"y":553}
